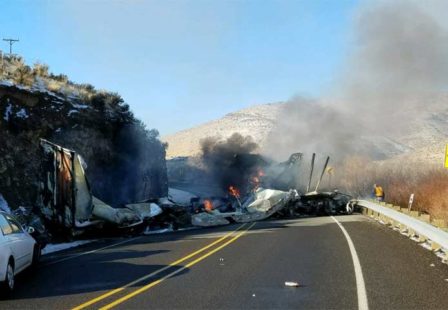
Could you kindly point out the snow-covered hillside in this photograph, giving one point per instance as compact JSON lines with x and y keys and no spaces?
{"x":256,"y":121}
{"x":421,"y":135}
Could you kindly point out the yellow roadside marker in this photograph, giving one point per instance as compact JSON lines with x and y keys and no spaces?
{"x":117,"y":290}
{"x":446,"y":156}
{"x":152,"y":284}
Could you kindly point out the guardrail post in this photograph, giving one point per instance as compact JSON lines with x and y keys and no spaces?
{"x":404,"y":228}
{"x":440,"y":223}
{"x":393,"y":223}
{"x":425,"y":218}
{"x":414,"y":213}
{"x":422,"y":239}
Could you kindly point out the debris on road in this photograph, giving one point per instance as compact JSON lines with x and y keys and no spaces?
{"x":208,"y":219}
{"x":291,"y":284}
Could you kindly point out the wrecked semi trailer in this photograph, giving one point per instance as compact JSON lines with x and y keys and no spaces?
{"x":65,"y":198}
{"x":66,"y":202}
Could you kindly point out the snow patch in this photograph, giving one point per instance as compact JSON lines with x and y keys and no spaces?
{"x":6,"y":83}
{"x":158,"y":231}
{"x":72,"y":111}
{"x":56,"y":247}
{"x":8,"y":112}
{"x":22,"y":114}
{"x":80,"y":106}
{"x":426,"y":245}
{"x":166,"y":230}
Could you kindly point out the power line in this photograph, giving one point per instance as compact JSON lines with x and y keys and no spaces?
{"x":11,"y":42}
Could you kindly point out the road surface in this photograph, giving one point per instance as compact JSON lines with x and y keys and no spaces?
{"x":242,"y":267}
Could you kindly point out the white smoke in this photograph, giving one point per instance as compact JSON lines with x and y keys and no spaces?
{"x":400,"y":59}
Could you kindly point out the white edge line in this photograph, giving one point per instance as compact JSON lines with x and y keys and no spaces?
{"x":92,"y":251}
{"x":360,"y":284}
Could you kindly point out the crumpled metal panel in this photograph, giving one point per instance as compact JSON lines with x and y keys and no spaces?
{"x":123,"y":217}
{"x":145,"y":210}
{"x":205,"y":219}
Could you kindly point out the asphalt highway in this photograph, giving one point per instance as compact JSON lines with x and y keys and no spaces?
{"x":243,"y":267}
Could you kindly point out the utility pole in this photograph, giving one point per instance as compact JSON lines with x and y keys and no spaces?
{"x":11,"y":42}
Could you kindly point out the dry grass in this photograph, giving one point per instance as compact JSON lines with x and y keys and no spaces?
{"x":428,"y":183}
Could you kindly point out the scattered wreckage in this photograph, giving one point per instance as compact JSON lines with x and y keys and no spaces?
{"x":261,"y":203}
{"x":256,"y":206}
{"x":66,"y":206}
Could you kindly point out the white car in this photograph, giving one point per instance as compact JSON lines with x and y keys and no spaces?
{"x":18,"y":250}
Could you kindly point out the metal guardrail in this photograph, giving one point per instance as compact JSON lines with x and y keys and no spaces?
{"x":409,"y":225}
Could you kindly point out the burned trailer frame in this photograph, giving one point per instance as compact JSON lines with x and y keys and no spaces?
{"x":323,"y":203}
{"x":65,"y":197}
{"x":313,"y":201}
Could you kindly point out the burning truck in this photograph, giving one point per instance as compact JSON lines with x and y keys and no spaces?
{"x":272,"y":189}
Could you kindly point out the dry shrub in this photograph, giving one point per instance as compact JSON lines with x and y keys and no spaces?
{"x":429,"y":184}
{"x":430,"y":189}
{"x":23,"y":76}
{"x":41,"y":70}
{"x":53,"y":85}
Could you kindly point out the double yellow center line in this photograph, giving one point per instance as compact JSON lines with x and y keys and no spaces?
{"x":175,"y":263}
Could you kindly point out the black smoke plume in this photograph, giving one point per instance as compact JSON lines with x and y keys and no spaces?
{"x":231,"y":162}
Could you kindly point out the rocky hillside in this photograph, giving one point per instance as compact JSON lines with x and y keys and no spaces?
{"x":121,"y":154}
{"x":256,"y":121}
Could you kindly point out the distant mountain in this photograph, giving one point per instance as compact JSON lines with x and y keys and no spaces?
{"x":423,"y":138}
{"x":256,"y":121}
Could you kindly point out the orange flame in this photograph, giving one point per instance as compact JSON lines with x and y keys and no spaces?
{"x":234,"y":191}
{"x":256,"y":179}
{"x":208,"y":205}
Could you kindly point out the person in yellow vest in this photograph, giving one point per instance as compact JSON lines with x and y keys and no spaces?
{"x":379,"y":192}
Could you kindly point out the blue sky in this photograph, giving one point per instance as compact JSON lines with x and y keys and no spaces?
{"x":181,"y":63}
